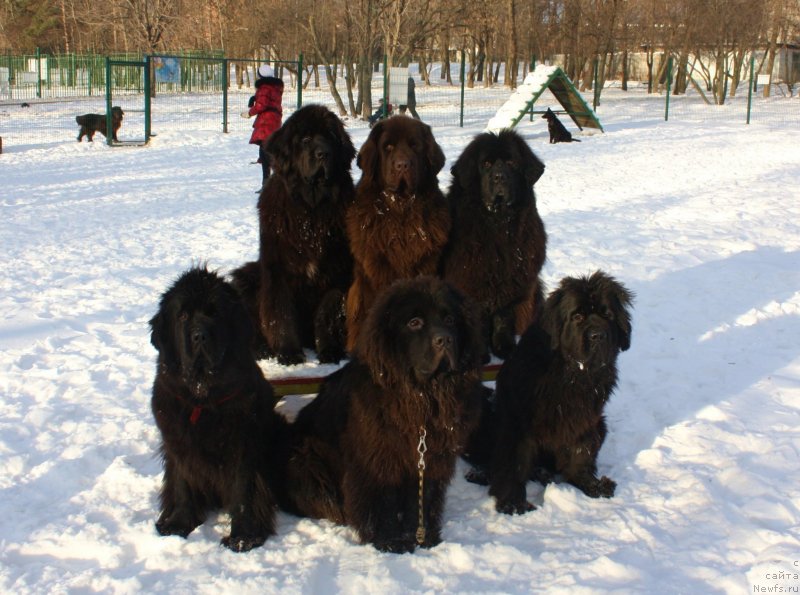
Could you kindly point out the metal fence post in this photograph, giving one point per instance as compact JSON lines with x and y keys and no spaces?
{"x":147,"y":66}
{"x":463,"y":83}
{"x":750,"y":86}
{"x":300,"y":81}
{"x":385,"y":86}
{"x":669,"y":86}
{"x":225,"y":75}
{"x":38,"y":73}
{"x":109,"y":136}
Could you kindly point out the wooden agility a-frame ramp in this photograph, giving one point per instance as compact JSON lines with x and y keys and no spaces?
{"x":544,"y":78}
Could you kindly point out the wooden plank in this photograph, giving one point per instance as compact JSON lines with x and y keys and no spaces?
{"x":309,"y":385}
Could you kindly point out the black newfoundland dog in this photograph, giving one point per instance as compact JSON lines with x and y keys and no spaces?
{"x":214,"y":410}
{"x":552,"y":391}
{"x":304,"y":268}
{"x":91,"y":123}
{"x":377,"y":448}
{"x":497,"y":245}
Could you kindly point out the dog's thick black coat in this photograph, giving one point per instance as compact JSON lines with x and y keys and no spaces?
{"x":215,"y":412}
{"x":552,"y":391}
{"x":91,"y":123}
{"x":415,"y":372}
{"x":497,"y":243}
{"x":558,"y":132}
{"x":305,"y":266}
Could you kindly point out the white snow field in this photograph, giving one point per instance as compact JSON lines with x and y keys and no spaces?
{"x":699,"y":216}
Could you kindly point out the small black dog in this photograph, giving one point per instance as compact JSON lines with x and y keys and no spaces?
{"x":215,"y":412}
{"x":551,"y":393}
{"x":91,"y":123}
{"x":558,"y":133}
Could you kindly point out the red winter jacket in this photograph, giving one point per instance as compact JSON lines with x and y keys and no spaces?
{"x":267,"y":108}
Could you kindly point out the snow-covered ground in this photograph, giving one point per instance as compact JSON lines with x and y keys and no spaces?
{"x":700,"y":218}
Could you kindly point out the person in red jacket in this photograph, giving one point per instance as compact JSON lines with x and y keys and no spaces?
{"x":267,"y":109}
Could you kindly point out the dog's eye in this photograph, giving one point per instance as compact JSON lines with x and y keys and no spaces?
{"x":578,"y":317}
{"x":183,"y":317}
{"x":415,"y":323}
{"x":306,"y":140}
{"x":487,"y":164}
{"x":388,"y":148}
{"x":609,"y":314}
{"x":449,"y":320}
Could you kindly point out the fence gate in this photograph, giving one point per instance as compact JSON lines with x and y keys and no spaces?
{"x":128,"y":86}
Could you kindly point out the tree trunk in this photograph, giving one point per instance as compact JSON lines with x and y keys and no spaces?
{"x":330,"y":74}
{"x":625,"y":70}
{"x":511,"y":55}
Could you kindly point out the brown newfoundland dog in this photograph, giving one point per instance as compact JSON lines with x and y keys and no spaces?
{"x":377,"y":448}
{"x":552,"y":390}
{"x":497,"y":246}
{"x":304,"y":267}
{"x":214,"y":410}
{"x":399,"y":222}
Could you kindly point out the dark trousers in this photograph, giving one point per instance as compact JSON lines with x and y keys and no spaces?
{"x":264,"y":159}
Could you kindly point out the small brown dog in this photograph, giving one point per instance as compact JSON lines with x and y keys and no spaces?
{"x":91,"y":123}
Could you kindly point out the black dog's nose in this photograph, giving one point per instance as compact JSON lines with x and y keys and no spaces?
{"x":402,"y":165}
{"x":596,"y":335}
{"x":442,"y":340}
{"x":198,"y":335}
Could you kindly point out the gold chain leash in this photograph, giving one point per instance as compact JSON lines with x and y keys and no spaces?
{"x":422,"y":448}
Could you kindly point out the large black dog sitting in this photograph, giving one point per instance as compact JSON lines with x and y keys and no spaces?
{"x":214,"y":410}
{"x":377,"y":448}
{"x":296,"y":289}
{"x":497,"y":244}
{"x":552,"y":391}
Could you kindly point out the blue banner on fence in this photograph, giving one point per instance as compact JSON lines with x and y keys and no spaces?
{"x":168,"y":70}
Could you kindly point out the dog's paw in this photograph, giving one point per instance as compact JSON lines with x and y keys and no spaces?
{"x":514,"y":507}
{"x":243,"y":543}
{"x":606,"y":487}
{"x":599,"y":488}
{"x":432,"y":539}
{"x":478,"y":476}
{"x":166,"y":528}
{"x":397,"y":545}
{"x":291,"y":358}
{"x":331,"y":355}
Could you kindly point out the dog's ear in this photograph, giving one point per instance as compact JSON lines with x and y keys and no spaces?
{"x":532,"y":167}
{"x":466,"y":167}
{"x":278,"y":149}
{"x":158,"y":331}
{"x":346,"y":149}
{"x":434,"y":153}
{"x":621,"y":301}
{"x":552,"y":318}
{"x":367,"y":159}
{"x":161,"y":338}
